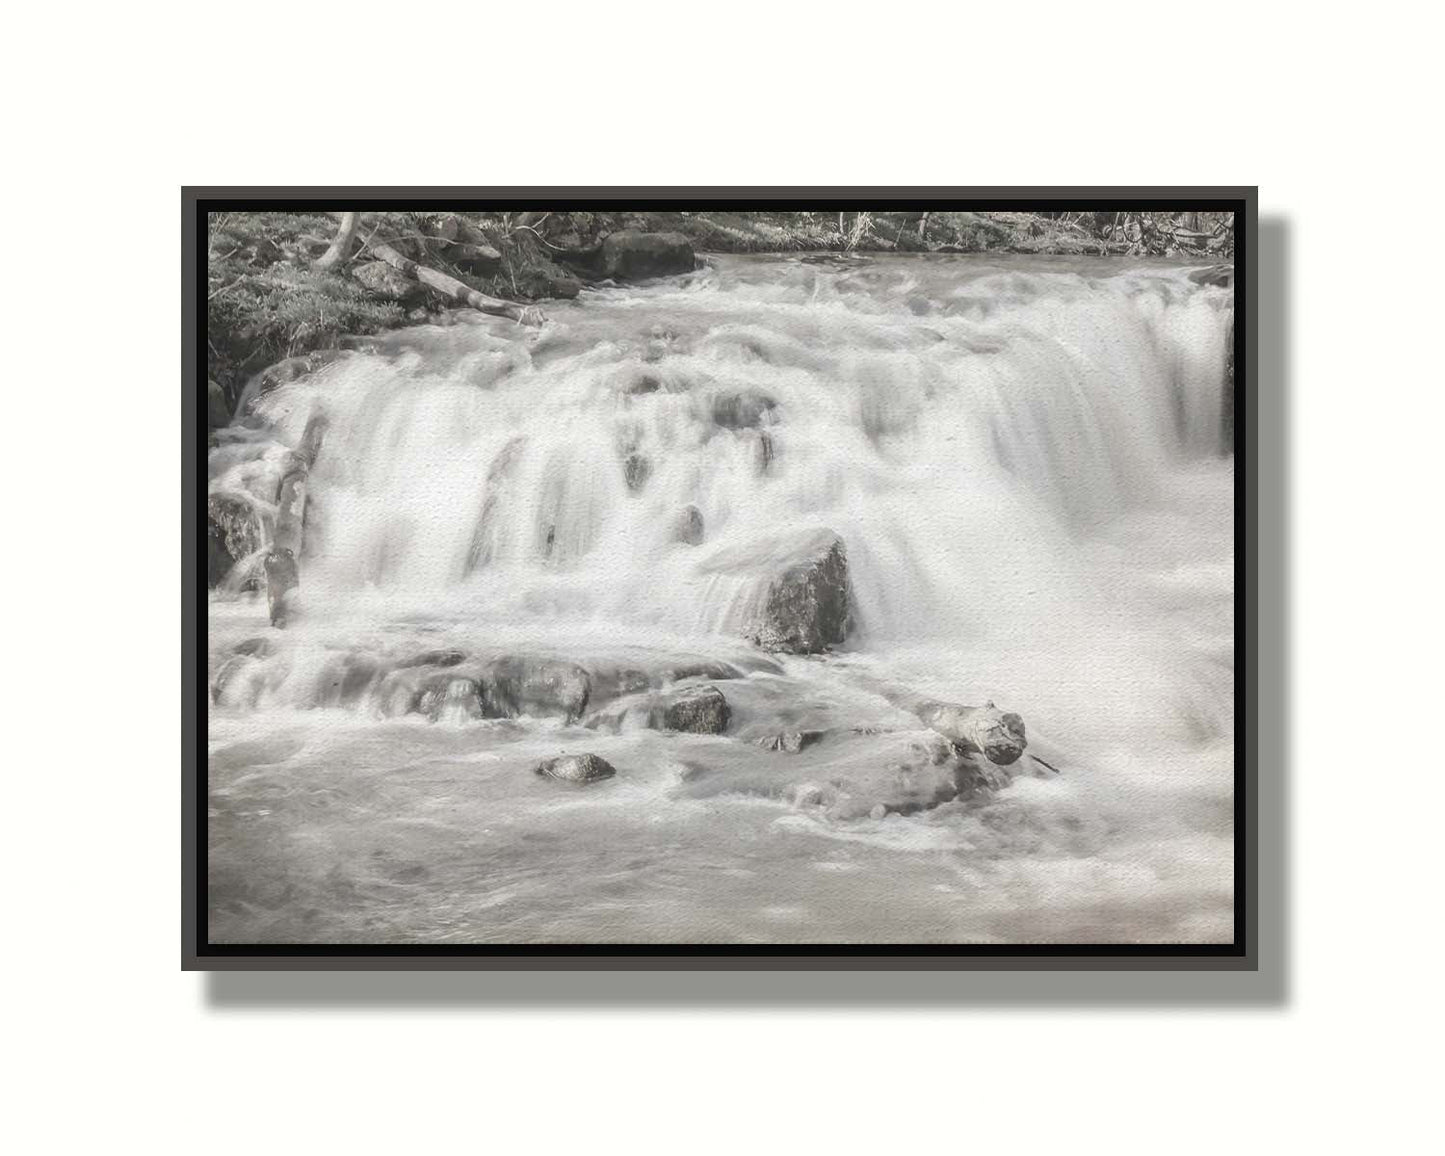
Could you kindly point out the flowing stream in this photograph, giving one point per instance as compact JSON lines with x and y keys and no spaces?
{"x":1023,"y":459}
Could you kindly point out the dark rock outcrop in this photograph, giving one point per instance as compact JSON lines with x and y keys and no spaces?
{"x":808,"y":607}
{"x":631,"y":256}
{"x":218,"y":414}
{"x":235,"y":529}
{"x":581,"y":769}
{"x":540,"y":687}
{"x":701,"y":710}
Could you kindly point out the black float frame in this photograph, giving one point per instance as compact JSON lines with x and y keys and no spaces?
{"x":199,"y":955}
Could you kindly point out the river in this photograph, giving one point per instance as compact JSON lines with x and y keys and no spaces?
{"x":1023,"y":458}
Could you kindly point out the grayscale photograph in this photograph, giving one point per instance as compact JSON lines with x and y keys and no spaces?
{"x":704,"y":576}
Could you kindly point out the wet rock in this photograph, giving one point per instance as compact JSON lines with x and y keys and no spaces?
{"x":643,"y":383}
{"x":742,"y":409}
{"x":235,"y":529}
{"x":790,"y":742}
{"x":258,"y":647}
{"x":434,"y":658}
{"x":283,"y":373}
{"x":807,"y":608}
{"x":766,"y":452}
{"x":974,"y":730}
{"x":538,"y":687}
{"x":389,"y":283}
{"x":701,"y":710}
{"x":345,"y":680}
{"x":1221,"y":275}
{"x":218,"y":414}
{"x":587,"y":768}
{"x":282,"y":578}
{"x":688,"y":527}
{"x":636,"y":469}
{"x":630,"y":255}
{"x":450,"y":699}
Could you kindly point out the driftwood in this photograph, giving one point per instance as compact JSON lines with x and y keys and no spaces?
{"x":456,"y":290}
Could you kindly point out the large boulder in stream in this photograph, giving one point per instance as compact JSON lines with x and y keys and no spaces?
{"x":579,"y":769}
{"x":631,"y":256}
{"x":806,"y":605}
{"x":235,"y":529}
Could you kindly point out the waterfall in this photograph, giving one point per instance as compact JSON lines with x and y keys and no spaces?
{"x":1021,"y":457}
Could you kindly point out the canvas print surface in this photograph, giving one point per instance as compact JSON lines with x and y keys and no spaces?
{"x":720,"y":577}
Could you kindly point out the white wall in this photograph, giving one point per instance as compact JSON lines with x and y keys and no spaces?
{"x":112,"y":112}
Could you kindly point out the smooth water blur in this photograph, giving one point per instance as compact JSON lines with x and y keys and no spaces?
{"x":1023,"y":459}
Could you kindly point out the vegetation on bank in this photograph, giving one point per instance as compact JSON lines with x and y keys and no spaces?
{"x":278,"y":285}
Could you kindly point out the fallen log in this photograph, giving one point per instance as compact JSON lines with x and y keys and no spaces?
{"x":455,"y":290}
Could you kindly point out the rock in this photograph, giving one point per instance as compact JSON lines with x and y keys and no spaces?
{"x":540,"y":687}
{"x":450,"y":699}
{"x":345,"y":679}
{"x":218,"y":414}
{"x":283,"y":373}
{"x":473,"y":258}
{"x":636,"y":468}
{"x":434,"y":658}
{"x":282,"y":578}
{"x":389,"y":283}
{"x":789,"y":742}
{"x":576,"y":768}
{"x":630,"y":255}
{"x":973,"y":730}
{"x":742,"y":409}
{"x":808,"y":607}
{"x":1221,"y":275}
{"x":259,"y":647}
{"x":644,"y":383}
{"x":235,"y":529}
{"x":688,"y":527}
{"x":701,"y":710}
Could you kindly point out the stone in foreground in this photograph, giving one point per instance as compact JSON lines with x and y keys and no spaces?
{"x":576,"y":768}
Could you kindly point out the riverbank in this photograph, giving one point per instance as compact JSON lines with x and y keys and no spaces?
{"x":271,"y":294}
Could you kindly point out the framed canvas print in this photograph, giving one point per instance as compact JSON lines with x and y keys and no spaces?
{"x":699,"y":578}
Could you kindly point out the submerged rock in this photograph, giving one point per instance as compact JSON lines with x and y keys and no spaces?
{"x":516,"y":686}
{"x":587,"y":768}
{"x":701,"y":710}
{"x":235,"y":529}
{"x":629,"y":255}
{"x":742,"y":409}
{"x":636,"y":469}
{"x":807,"y":608}
{"x":449,"y":699}
{"x":688,"y":527}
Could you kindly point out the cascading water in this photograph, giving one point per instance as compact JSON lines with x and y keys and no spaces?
{"x":1023,"y":461}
